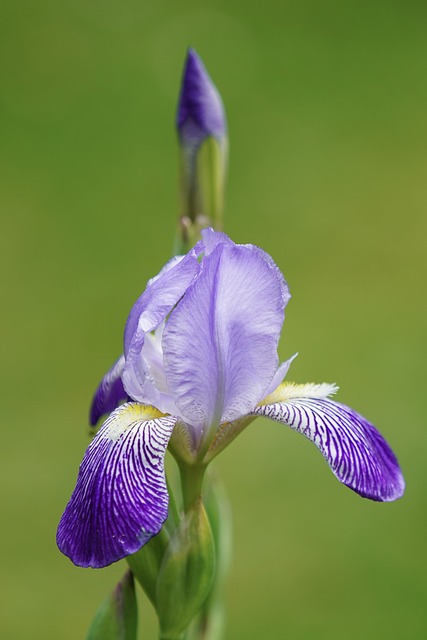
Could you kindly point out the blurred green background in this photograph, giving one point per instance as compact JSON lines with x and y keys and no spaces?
{"x":327,"y":104}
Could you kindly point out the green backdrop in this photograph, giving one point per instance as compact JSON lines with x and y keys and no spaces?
{"x":327,"y":104}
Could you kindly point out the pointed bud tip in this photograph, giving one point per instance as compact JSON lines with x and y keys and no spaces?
{"x":200,"y":109}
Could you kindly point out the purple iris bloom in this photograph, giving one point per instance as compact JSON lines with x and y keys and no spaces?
{"x":200,"y":362}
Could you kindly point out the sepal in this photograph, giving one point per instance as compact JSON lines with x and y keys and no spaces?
{"x":120,"y":500}
{"x":356,"y":452}
{"x":109,"y":394}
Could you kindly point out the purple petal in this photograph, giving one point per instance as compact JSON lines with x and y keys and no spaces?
{"x":280,"y":375}
{"x":220,"y":342}
{"x":212,"y":238}
{"x":160,"y":296}
{"x":120,"y":500}
{"x":356,"y":452}
{"x":144,"y":377}
{"x":200,"y":110}
{"x":149,"y":311}
{"x":110,"y":392}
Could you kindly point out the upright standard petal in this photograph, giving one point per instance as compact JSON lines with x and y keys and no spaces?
{"x":110,"y":392}
{"x":212,"y":238}
{"x":120,"y":500}
{"x":220,"y":342}
{"x":161,"y":295}
{"x":148,"y":312}
{"x":355,"y":451}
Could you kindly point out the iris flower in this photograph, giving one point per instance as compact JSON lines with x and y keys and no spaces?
{"x":200,"y":363}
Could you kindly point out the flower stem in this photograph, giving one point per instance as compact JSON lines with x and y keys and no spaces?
{"x":191,"y":480}
{"x":173,"y":511}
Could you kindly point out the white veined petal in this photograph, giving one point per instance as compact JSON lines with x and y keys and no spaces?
{"x":120,"y":500}
{"x":355,"y":451}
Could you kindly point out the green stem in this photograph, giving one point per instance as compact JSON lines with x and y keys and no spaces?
{"x":191,"y":480}
{"x":173,"y":511}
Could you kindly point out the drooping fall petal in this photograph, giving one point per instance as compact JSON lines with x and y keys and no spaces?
{"x":120,"y":500}
{"x":356,"y":452}
{"x":110,"y":392}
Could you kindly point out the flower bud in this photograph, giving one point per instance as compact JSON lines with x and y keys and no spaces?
{"x":186,"y":574}
{"x":200,"y":110}
{"x":145,"y":563}
{"x":116,"y":619}
{"x":211,"y":621}
{"x":202,"y":133}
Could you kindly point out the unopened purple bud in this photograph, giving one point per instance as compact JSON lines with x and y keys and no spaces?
{"x":200,"y":109}
{"x":202,"y":133}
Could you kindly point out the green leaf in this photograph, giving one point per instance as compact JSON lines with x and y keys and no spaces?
{"x":117,"y":617}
